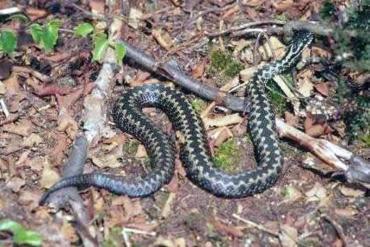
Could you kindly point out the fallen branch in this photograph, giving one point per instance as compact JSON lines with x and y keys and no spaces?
{"x":277,"y":27}
{"x":257,"y":226}
{"x":171,"y":71}
{"x":357,"y":170}
{"x":94,"y":123}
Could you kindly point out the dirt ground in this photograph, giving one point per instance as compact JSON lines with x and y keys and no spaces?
{"x":306,"y":207}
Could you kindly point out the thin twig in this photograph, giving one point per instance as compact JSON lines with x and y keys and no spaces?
{"x":10,"y":11}
{"x":4,"y":108}
{"x":257,"y":226}
{"x":137,"y":231}
{"x":245,"y":26}
{"x":338,"y":228}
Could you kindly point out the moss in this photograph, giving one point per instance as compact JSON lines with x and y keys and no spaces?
{"x":366,"y":140}
{"x":130,"y":147}
{"x":114,"y":238}
{"x":281,"y":17}
{"x":327,"y":10}
{"x":353,"y":35}
{"x":198,"y":105}
{"x":223,"y":62}
{"x":227,"y":155}
{"x":276,"y":95}
{"x":358,"y":121}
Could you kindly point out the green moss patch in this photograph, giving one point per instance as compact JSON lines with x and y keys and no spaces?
{"x":224,"y":62}
{"x":227,"y":155}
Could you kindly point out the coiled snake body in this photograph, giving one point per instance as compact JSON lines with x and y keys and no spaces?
{"x":128,"y":116}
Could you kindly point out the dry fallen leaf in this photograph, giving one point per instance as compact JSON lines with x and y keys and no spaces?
{"x":288,"y":236}
{"x":166,"y":210}
{"x":219,"y":136}
{"x":111,"y":159}
{"x":350,"y":192}
{"x":161,"y":241}
{"x":2,"y":88}
{"x":132,"y":207}
{"x":304,"y":84}
{"x":36,"y":163}
{"x":134,"y":19}
{"x":315,"y":130}
{"x":163,"y":38}
{"x":223,"y":121}
{"x":98,"y":199}
{"x":291,"y":194}
{"x":322,"y":88}
{"x":32,"y":140}
{"x":347,"y":212}
{"x":275,"y":45}
{"x":308,"y":122}
{"x":67,"y":124}
{"x":97,"y":6}
{"x":141,"y":152}
{"x":49,"y":176}
{"x":34,"y":13}
{"x":318,"y":193}
{"x":291,"y":119}
{"x":23,"y":127}
{"x":15,"y":183}
{"x":225,"y":229}
{"x":198,"y":69}
{"x":29,"y":198}
{"x":69,"y":231}
{"x":247,"y":74}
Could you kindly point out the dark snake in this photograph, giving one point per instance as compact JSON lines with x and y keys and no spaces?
{"x":194,"y":151}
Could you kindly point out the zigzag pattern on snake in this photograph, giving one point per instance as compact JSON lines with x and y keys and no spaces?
{"x":128,"y":116}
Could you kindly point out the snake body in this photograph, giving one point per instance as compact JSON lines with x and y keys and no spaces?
{"x":128,"y":116}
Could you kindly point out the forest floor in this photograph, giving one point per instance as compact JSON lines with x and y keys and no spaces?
{"x":306,"y":207}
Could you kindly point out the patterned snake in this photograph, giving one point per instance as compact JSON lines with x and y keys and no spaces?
{"x":128,"y":116}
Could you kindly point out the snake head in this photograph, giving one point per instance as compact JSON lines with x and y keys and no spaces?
{"x":301,"y":39}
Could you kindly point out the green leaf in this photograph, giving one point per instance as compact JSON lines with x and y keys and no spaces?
{"x":83,"y":29}
{"x":8,"y":41}
{"x":120,"y":51}
{"x":36,"y":32}
{"x":46,"y":36}
{"x":100,"y":46}
{"x":50,"y":36}
{"x":20,"y":234}
{"x":28,"y":237}
{"x":10,"y":226}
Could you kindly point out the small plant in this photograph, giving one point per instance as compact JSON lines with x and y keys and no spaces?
{"x":352,"y":34}
{"x":101,"y":42}
{"x":8,"y":42}
{"x":46,"y":36}
{"x":358,"y":121}
{"x":21,"y":236}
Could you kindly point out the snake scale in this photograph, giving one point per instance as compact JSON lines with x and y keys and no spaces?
{"x":194,"y":151}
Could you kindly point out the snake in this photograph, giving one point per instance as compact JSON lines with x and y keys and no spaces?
{"x":194,"y":149}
